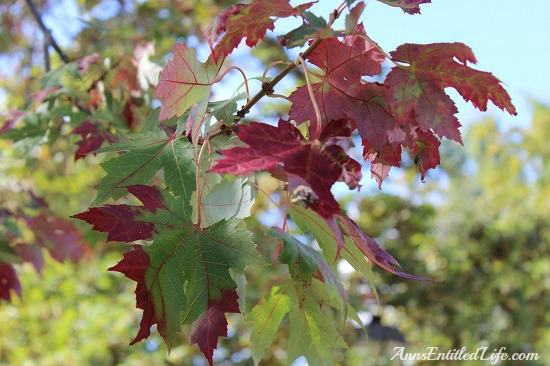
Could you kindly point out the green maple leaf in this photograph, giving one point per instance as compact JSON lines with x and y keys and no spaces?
{"x":185,"y":269}
{"x":149,"y":152}
{"x":303,"y":262}
{"x":308,"y":220}
{"x":266,"y":318}
{"x":311,"y":335}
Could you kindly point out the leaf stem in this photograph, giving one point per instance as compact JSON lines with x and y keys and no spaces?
{"x":279,"y":96}
{"x":271,"y":65}
{"x":269,"y":86}
{"x":313,"y":101}
{"x":242,"y":73}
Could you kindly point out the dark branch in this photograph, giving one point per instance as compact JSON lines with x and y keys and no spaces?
{"x":47,"y":33}
{"x":47,"y":56}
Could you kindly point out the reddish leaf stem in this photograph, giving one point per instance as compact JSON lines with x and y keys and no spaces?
{"x":242,"y":73}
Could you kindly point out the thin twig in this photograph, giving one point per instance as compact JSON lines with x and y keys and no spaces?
{"x":47,"y":33}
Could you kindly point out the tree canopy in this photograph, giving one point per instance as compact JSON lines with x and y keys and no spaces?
{"x":140,"y":142}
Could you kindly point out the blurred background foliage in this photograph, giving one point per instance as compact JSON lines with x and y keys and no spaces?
{"x":479,"y":225}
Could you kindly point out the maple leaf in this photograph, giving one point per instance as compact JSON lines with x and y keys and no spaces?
{"x":419,"y":88}
{"x":185,"y":81}
{"x":92,"y":138}
{"x":312,"y":335}
{"x":189,"y":266}
{"x":266,"y":317}
{"x":352,"y":19}
{"x":313,"y":166}
{"x":134,"y":265}
{"x":212,"y":324}
{"x":370,"y":248}
{"x":308,"y":220}
{"x":313,"y":27}
{"x":251,"y":21}
{"x":382,"y":160}
{"x":61,"y":238}
{"x":303,"y":263}
{"x":426,"y":152}
{"x":124,"y":222}
{"x":341,"y":93}
{"x":408,"y":6}
{"x":226,"y":200}
{"x":8,"y":282}
{"x":31,"y":253}
{"x":311,"y":332}
{"x":149,"y":152}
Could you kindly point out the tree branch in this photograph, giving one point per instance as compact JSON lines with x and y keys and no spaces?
{"x":268,"y":87}
{"x":47,"y":33}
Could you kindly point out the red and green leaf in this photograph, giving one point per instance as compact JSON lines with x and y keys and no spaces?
{"x":148,"y":153}
{"x":408,"y":6}
{"x":189,"y":266}
{"x":186,"y":81}
{"x":250,"y":21}
{"x":341,"y":94}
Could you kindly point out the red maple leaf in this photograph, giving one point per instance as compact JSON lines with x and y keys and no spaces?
{"x":382,"y":160}
{"x":134,"y":265}
{"x":426,"y":152}
{"x":124,"y":222}
{"x":92,"y":138}
{"x":312,"y":167}
{"x":212,"y":324}
{"x":418,"y":89}
{"x":251,"y":21}
{"x":8,"y":282}
{"x":61,"y":238}
{"x":341,"y":93}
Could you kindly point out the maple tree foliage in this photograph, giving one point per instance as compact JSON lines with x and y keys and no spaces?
{"x":193,"y":167}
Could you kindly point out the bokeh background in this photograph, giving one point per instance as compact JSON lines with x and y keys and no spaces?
{"x":479,"y":224}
